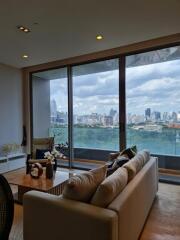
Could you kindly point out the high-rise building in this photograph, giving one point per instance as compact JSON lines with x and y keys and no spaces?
{"x":165,"y":116}
{"x":148,"y":114}
{"x":107,"y":121}
{"x":62,"y":117}
{"x":174,"y":117}
{"x":116,"y":119}
{"x":112,"y":112}
{"x":178,"y":116}
{"x":156,"y":116}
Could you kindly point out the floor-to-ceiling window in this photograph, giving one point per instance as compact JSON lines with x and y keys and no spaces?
{"x":153,"y":102}
{"x":95,"y":108}
{"x":151,"y":97}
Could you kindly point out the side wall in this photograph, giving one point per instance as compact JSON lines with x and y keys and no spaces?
{"x":41,"y":107}
{"x":11,"y":117}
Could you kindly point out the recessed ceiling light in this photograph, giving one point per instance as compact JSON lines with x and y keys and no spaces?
{"x":99,"y":37}
{"x":26,"y":30}
{"x":23,"y":29}
{"x":25,"y":56}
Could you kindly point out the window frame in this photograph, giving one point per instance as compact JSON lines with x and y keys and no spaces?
{"x":122,"y":91}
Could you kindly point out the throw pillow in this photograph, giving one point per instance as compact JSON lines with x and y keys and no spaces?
{"x":113,"y":168}
{"x":109,"y":163}
{"x":141,"y":159}
{"x":40,"y":153}
{"x":118,"y":162}
{"x":110,"y":188}
{"x":82,"y":186}
{"x":131,"y":169}
{"x":145,"y":154}
{"x":122,"y":160}
{"x":130,"y":152}
{"x":138,"y":161}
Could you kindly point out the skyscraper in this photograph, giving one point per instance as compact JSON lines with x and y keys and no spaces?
{"x":112,"y":112}
{"x":148,"y":114}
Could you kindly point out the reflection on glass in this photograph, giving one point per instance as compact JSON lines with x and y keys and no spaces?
{"x":59,"y":110}
{"x":152,"y":101}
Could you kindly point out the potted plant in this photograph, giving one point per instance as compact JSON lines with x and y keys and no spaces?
{"x":51,"y":162}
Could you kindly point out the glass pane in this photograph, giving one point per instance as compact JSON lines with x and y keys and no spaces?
{"x":50,"y":107}
{"x":96,"y":109}
{"x":152,"y":101}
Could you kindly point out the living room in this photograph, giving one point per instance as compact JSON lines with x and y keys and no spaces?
{"x":97,"y":78}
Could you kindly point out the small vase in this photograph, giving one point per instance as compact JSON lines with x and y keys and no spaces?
{"x":49,"y":170}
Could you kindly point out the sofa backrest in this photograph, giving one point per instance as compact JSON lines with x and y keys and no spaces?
{"x":133,"y":204}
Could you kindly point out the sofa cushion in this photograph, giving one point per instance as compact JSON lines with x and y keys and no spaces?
{"x":81,"y":187}
{"x":112,"y":169}
{"x":122,"y":160}
{"x":137,"y":163}
{"x":110,"y":188}
{"x":146,"y":155}
{"x":118,"y":162}
{"x":131,"y":169}
{"x":129,"y":152}
{"x":141,"y":159}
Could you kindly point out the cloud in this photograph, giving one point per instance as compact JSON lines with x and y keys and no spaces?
{"x":58,"y":92}
{"x":100,"y":104}
{"x":156,"y":86}
{"x":140,"y":74}
{"x":161,"y":87}
{"x":58,"y":86}
{"x":96,"y":84}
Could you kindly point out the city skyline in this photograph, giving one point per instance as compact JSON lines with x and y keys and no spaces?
{"x":112,"y":119}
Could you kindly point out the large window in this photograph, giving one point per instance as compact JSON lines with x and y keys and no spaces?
{"x":83,"y":101}
{"x":152,"y":101}
{"x":96,"y":105}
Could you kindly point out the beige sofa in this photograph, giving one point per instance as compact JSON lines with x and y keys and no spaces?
{"x":50,"y":217}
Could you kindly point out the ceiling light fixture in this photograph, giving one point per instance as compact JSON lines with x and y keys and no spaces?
{"x":26,"y":30}
{"x":25,"y":56}
{"x":99,"y":37}
{"x":23,"y":29}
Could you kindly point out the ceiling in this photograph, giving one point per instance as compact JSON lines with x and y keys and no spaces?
{"x":62,"y":29}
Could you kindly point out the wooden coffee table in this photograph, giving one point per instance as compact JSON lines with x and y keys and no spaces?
{"x":26,"y":183}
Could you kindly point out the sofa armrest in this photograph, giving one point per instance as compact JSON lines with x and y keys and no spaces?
{"x":52,"y":217}
{"x":135,"y":201}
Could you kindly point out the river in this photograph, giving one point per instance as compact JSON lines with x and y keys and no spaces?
{"x":165,"y":142}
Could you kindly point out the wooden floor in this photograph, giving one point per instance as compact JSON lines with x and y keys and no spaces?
{"x":164,"y":219}
{"x":163,"y":222}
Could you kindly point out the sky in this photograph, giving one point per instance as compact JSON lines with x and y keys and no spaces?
{"x":155,"y":85}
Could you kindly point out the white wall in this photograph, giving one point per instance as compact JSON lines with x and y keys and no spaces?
{"x":11,"y":115}
{"x":41,"y":107}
